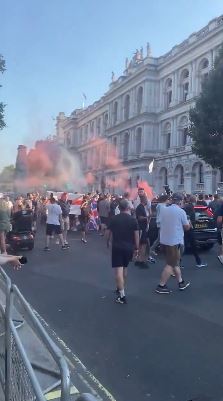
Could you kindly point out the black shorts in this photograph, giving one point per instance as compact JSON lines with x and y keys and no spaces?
{"x":121,"y":257}
{"x":53,"y":229}
{"x":104,"y":220}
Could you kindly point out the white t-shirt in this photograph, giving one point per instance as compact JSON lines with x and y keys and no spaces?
{"x":172,"y":219}
{"x":53,"y":212}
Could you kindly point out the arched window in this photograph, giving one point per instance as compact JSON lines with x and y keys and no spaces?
{"x":99,"y":126}
{"x":163,"y":177}
{"x":92,"y":128}
{"x":105,"y":120}
{"x":86,"y":133}
{"x":203,"y":72}
{"x":126,"y":146}
{"x":138,"y":141}
{"x":167,"y":136}
{"x":115,"y":113}
{"x":139,"y":99}
{"x":126,"y":107}
{"x":80,"y":137}
{"x":168,"y":93}
{"x":201,"y":174}
{"x":184,"y":85}
{"x":183,"y":131}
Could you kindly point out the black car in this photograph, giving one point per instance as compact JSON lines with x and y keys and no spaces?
{"x":205,"y":230}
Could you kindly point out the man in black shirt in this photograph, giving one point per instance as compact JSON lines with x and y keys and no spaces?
{"x":123,"y":229}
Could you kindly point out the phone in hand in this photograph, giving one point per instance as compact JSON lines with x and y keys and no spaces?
{"x":23,"y":260}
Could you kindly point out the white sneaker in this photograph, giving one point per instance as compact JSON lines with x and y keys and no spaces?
{"x":220,"y":258}
{"x":202,"y":265}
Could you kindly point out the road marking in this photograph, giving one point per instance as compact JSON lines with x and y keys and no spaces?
{"x":108,"y":395}
{"x":53,"y":395}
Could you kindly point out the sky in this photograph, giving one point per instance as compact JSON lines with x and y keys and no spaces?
{"x":55,"y":50}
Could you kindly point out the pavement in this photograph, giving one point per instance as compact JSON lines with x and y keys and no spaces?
{"x":156,"y":348}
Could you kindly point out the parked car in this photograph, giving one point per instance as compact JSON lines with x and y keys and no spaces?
{"x":205,"y":230}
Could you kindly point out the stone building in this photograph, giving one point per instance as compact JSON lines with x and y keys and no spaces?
{"x":144,"y":117}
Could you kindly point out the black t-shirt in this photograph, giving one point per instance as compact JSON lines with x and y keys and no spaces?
{"x":141,"y":212}
{"x":123,"y":227}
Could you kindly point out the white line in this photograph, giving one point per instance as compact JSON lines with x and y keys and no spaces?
{"x":77,"y":360}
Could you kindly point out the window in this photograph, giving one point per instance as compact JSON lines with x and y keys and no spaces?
{"x":126,"y":146}
{"x":168,"y":92}
{"x":201,"y":174}
{"x":86,"y":133}
{"x":126,"y":107}
{"x":203,"y":72}
{"x":115,"y":112}
{"x":139,"y":99}
{"x":138,"y":141}
{"x":168,"y":139}
{"x":184,"y":85}
{"x":105,"y":120}
{"x":80,"y":136}
{"x":184,"y":136}
{"x":99,"y":126}
{"x":181,"y":175}
{"x":92,"y":129}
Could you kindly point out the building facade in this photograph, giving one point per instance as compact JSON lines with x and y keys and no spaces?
{"x":144,"y":117}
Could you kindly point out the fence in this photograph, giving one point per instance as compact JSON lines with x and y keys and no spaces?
{"x":18,"y":379}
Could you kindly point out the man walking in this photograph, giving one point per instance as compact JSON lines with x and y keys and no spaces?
{"x":65,"y":207}
{"x":173,"y":222}
{"x":53,"y":223}
{"x":123,"y":229}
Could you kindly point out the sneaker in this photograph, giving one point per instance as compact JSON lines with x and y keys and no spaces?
{"x":65,"y":247}
{"x":84,"y":240}
{"x":151,"y":260}
{"x":183,"y":285}
{"x":163,"y":289}
{"x":121,"y":300}
{"x":46,"y":248}
{"x":202,"y":265}
{"x":66,"y":243}
{"x":220,"y":258}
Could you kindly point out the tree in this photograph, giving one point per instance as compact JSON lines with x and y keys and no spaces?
{"x":2,"y":106}
{"x":7,"y":174}
{"x":206,"y":118}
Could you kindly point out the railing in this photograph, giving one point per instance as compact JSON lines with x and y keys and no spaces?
{"x":18,"y":379}
{"x":200,"y":186}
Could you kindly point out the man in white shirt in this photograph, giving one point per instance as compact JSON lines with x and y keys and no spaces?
{"x":173,"y":223}
{"x":54,"y":223}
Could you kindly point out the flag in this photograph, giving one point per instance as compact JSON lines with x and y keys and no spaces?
{"x":151,"y":166}
{"x":84,"y":96}
{"x":84,"y":99}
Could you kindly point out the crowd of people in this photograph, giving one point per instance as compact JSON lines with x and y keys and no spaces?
{"x":126,"y":225}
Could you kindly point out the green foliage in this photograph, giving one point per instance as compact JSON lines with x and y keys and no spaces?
{"x":207,"y":118}
{"x":7,"y":174}
{"x":2,"y":106}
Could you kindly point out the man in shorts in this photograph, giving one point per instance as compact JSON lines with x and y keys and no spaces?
{"x":53,"y":224}
{"x":123,"y":229}
{"x":173,"y":223}
{"x":65,"y":207}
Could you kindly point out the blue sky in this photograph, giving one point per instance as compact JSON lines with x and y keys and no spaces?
{"x":55,"y":50}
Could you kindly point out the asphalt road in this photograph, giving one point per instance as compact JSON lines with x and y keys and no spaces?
{"x":156,"y":348}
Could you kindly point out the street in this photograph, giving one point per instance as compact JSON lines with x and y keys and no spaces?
{"x":157,"y":347}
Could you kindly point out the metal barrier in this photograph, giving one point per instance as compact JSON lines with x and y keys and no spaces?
{"x":17,"y":377}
